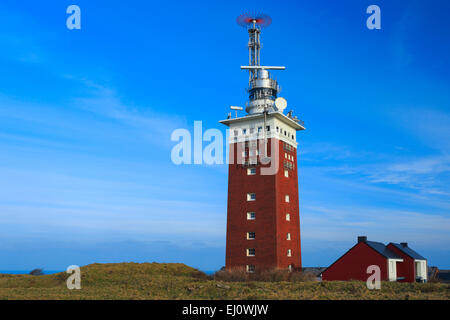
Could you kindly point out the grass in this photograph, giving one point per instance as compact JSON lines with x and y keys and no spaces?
{"x":178,"y":281}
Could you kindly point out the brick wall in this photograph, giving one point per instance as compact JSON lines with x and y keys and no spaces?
{"x":270,"y":225}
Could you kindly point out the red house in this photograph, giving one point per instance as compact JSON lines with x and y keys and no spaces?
{"x":397,"y":262}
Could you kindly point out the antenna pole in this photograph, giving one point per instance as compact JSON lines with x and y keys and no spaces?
{"x":254,"y":47}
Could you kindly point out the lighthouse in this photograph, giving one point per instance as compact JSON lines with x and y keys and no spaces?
{"x":263,"y":223}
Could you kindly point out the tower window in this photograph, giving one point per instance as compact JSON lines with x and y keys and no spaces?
{"x":251,"y":216}
{"x":251,"y":171}
{"x":290,"y":267}
{"x":288,"y":236}
{"x":250,"y":236}
{"x":286,"y":198}
{"x":251,"y":252}
{"x":251,"y":268}
{"x":244,"y":131}
{"x":288,"y":217}
{"x":251,"y":197}
{"x":259,"y":129}
{"x":286,"y":173}
{"x":268,"y":128}
{"x":289,"y":253}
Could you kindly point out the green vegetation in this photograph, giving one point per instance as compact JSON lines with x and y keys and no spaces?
{"x":178,"y":281}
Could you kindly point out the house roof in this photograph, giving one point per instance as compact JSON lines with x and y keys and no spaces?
{"x":408,"y":251}
{"x":382,"y":249}
{"x":376,"y":246}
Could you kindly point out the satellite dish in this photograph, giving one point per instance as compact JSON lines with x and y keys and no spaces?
{"x":280,"y":103}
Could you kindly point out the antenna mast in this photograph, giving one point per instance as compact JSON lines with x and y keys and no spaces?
{"x":262,"y":89}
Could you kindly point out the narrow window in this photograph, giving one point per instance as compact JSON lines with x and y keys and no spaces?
{"x":288,"y":236}
{"x":251,"y":197}
{"x":251,"y":268}
{"x":251,"y":252}
{"x":286,"y":198}
{"x":288,"y":217}
{"x":289,"y":253}
{"x":251,"y":216}
{"x":286,"y":173}
{"x":259,"y":129}
{"x":290,"y":267}
{"x":250,"y":236}
{"x":251,"y":171}
{"x":235,"y":132}
{"x":268,"y":128}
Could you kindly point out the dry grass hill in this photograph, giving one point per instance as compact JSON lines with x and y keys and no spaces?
{"x":178,"y":281}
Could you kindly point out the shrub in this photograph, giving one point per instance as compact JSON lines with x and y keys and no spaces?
{"x":237,"y":274}
{"x":302,"y":276}
{"x":37,"y":272}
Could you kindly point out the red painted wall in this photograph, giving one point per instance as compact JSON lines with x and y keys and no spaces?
{"x":353,"y":264}
{"x":407,"y":268}
{"x":270,"y":225}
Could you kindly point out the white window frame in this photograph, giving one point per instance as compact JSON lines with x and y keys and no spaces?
{"x":288,"y":217}
{"x":248,"y":252}
{"x":288,"y":236}
{"x":250,"y":268}
{"x":248,"y":236}
{"x":249,"y":215}
{"x":289,"y":253}
{"x":250,"y":171}
{"x":286,"y":198}
{"x":249,"y":196}
{"x":286,"y":173}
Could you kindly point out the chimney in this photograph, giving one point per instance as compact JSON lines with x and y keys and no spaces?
{"x":362,"y":239}
{"x":404,"y":244}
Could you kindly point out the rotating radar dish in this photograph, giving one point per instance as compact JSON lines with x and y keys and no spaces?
{"x":247,"y":19}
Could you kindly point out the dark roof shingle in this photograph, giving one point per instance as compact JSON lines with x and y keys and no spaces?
{"x":383,"y":250}
{"x":408,"y":251}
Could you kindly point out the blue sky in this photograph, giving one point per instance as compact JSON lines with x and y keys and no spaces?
{"x":86,"y":118}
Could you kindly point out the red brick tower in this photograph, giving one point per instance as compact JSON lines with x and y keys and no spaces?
{"x":263,"y":225}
